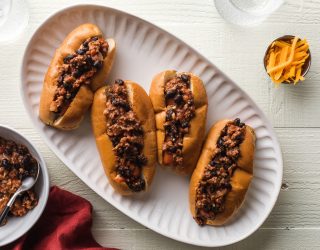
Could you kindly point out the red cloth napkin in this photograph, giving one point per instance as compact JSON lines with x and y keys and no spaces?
{"x":65,"y":224}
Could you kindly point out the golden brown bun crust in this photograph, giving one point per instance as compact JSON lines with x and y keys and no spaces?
{"x":193,"y":140}
{"x":142,"y":107}
{"x":82,"y":101}
{"x":240,"y":180}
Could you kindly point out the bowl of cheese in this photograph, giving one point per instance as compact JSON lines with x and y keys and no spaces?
{"x":287,"y":60}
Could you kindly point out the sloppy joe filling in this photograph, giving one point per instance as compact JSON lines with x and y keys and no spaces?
{"x":215,"y":183}
{"x":78,"y":69}
{"x":16,"y":163}
{"x":127,"y":136}
{"x":180,"y":110}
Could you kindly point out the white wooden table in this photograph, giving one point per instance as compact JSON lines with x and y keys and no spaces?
{"x":294,"y":112}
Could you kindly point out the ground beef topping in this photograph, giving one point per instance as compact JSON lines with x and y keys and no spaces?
{"x":126,"y":134}
{"x":78,"y":69}
{"x":180,"y":110}
{"x":16,"y":163}
{"x":215,"y":183}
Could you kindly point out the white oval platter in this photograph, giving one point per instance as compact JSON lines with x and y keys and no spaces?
{"x":142,"y":51}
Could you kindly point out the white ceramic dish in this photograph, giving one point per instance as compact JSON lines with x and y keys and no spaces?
{"x":18,"y":226}
{"x":144,"y":50}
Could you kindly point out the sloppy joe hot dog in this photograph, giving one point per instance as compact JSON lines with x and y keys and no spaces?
{"x":80,"y":66}
{"x":223,"y":173}
{"x":124,"y":127}
{"x":180,"y":104}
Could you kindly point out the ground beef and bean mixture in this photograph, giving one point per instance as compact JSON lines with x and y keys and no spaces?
{"x":78,"y":69}
{"x":180,"y":109}
{"x":215,"y":183}
{"x":126,"y":134}
{"x":16,"y":163}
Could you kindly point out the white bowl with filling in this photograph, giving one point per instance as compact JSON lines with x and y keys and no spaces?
{"x":16,"y":226}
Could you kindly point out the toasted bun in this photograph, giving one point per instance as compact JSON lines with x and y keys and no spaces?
{"x":142,"y":107}
{"x":240,"y":180}
{"x":82,"y":101}
{"x":193,"y":140}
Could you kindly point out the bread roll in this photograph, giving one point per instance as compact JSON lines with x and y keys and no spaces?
{"x":180,"y":105}
{"x":78,"y":68}
{"x":114,"y":122}
{"x":223,"y":173}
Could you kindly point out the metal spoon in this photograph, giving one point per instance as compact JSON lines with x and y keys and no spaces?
{"x":26,"y":184}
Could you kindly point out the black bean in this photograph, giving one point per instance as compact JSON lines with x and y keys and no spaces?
{"x":178,"y":99}
{"x":5,"y":163}
{"x":220,"y":142}
{"x":167,"y":129}
{"x":89,"y":60}
{"x":223,"y":149}
{"x":172,"y":149}
{"x":137,"y":186}
{"x":97,"y":64}
{"x":129,"y":152}
{"x":214,"y":208}
{"x":8,"y":150}
{"x":115,"y":141}
{"x":95,"y":38}
{"x":85,"y":44}
{"x":212,"y":188}
{"x":77,"y":73}
{"x":120,"y":151}
{"x":121,"y":104}
{"x":185,"y":78}
{"x":137,"y":145}
{"x":81,"y":51}
{"x":242,"y":124}
{"x":169,"y":114}
{"x":237,"y":121}
{"x":85,"y":67}
{"x":119,"y":81}
{"x":227,"y":186}
{"x":26,"y":161}
{"x":22,"y":149}
{"x":212,"y":163}
{"x":184,"y":124}
{"x":68,"y":58}
{"x":173,"y":130}
{"x":171,"y":93}
{"x":67,"y":86}
{"x":125,"y":172}
{"x":137,"y":131}
{"x":141,"y":160}
{"x":16,"y":165}
{"x":207,"y":207}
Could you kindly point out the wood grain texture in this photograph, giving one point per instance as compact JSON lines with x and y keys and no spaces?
{"x":295,"y":221}
{"x":262,"y":240}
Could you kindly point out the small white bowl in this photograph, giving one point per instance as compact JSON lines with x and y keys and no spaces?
{"x":18,"y":226}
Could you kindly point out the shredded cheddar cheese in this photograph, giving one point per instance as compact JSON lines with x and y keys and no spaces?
{"x":285,"y":60}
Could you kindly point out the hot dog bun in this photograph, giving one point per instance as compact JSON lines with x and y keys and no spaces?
{"x":240,"y":179}
{"x":193,"y":140}
{"x":83,"y":99}
{"x":142,"y":107}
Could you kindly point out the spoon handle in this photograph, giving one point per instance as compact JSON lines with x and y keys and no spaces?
{"x":4,"y":214}
{"x":9,"y":205}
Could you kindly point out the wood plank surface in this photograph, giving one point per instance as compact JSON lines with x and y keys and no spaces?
{"x":293,"y":110}
{"x":261,"y":240}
